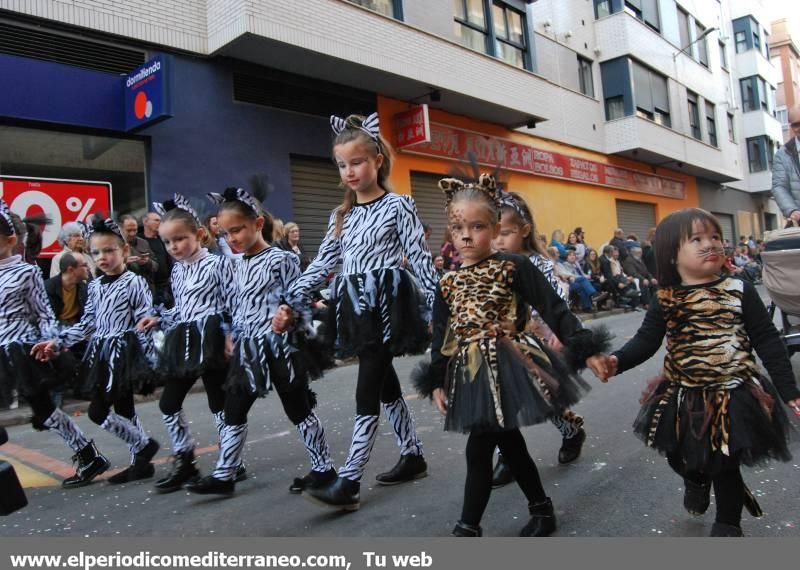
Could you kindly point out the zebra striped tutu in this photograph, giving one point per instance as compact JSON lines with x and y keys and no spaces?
{"x":117,"y":365}
{"x":192,"y":348}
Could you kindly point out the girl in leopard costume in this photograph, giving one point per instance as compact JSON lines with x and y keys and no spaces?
{"x":485,"y":376}
{"x":712,"y":409}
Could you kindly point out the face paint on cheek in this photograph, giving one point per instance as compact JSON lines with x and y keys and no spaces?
{"x":709,"y":251}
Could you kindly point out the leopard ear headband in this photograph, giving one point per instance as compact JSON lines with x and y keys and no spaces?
{"x":486,"y":184}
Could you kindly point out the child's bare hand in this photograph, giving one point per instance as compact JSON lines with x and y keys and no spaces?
{"x":44,"y":351}
{"x":440,"y":399}
{"x":283,"y":319}
{"x":603,"y":366}
{"x":555,"y":344}
{"x":795,"y":405}
{"x":147,"y":323}
{"x":228,"y":347}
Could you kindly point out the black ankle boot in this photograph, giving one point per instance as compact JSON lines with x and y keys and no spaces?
{"x":409,"y":467}
{"x":751,"y":504}
{"x":342,"y":494}
{"x":543,"y":520}
{"x":210,"y":485}
{"x":463,"y":529}
{"x":313,"y":480}
{"x":571,"y":447}
{"x":696,"y":496}
{"x":141,"y":468}
{"x":241,"y":473}
{"x":502,"y":475}
{"x":723,"y":530}
{"x":184,"y":468}
{"x":91,"y":463}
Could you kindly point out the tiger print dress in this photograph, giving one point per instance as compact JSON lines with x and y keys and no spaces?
{"x":195,"y":327}
{"x":712,"y":409}
{"x":495,"y":377}
{"x":374,"y":297}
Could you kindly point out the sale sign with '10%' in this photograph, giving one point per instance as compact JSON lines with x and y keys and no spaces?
{"x":61,"y":201}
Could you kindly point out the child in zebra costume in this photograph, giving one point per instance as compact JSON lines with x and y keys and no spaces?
{"x":119,"y":360}
{"x":194,"y":344}
{"x":487,"y":375}
{"x":517,"y":231}
{"x":25,"y":318}
{"x":262,"y":360}
{"x":378,"y":308}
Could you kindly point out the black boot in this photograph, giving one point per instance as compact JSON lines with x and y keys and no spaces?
{"x":543,"y":520}
{"x":184,"y":468}
{"x":751,"y":504}
{"x":341,"y":494}
{"x":141,"y":468}
{"x":91,"y":463}
{"x":696,"y":497}
{"x":571,"y":447}
{"x":463,"y":529}
{"x":723,"y":529}
{"x":502,"y":475}
{"x":313,"y":480}
{"x":409,"y":467}
{"x":241,"y":473}
{"x":210,"y":485}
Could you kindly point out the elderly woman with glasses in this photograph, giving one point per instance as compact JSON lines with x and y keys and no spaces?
{"x":72,"y":239}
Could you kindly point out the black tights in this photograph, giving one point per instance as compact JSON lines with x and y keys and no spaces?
{"x":42,"y":407}
{"x":296,"y":405}
{"x":478,"y":488}
{"x":377,"y":380}
{"x":175,"y":392}
{"x":728,"y":489}
{"x":99,"y":407}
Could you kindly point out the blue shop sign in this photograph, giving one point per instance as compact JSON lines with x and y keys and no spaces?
{"x":147,"y":93}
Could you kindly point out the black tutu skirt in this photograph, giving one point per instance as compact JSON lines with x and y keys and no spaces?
{"x":269,"y":362}
{"x":523,"y":388}
{"x":115,"y":366}
{"x":21,"y":372}
{"x":689,"y":425}
{"x":192,"y":348}
{"x":383,"y":305}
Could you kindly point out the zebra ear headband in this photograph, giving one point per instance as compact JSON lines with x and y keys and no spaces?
{"x":486,"y":184}
{"x":370,"y":125}
{"x":107,"y":226}
{"x":506,"y":200}
{"x":179,"y":202}
{"x":5,"y":214}
{"x":232,"y":194}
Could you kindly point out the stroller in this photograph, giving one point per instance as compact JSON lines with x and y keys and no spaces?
{"x":781,"y":275}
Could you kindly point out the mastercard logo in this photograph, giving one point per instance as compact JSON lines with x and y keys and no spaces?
{"x":142,"y":106}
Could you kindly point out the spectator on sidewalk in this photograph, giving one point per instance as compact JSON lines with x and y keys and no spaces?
{"x":579,"y":282}
{"x":162,"y":294}
{"x":574,"y":243}
{"x":140,"y":258}
{"x":557,"y":241}
{"x":72,"y":239}
{"x":634,"y":267}
{"x":786,"y":170}
{"x":618,"y":284}
{"x":291,"y":242}
{"x":618,"y":241}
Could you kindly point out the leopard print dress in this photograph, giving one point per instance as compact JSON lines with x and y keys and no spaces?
{"x":497,"y":378}
{"x":712,"y":408}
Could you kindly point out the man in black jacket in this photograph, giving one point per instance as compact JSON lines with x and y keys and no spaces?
{"x":621,"y":286}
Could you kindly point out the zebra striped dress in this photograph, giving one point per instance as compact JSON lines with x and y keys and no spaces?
{"x":375,"y":298}
{"x":25,"y":318}
{"x":262,"y":359}
{"x":196,"y":326}
{"x":119,"y":358}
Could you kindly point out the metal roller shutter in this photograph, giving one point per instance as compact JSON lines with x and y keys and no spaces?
{"x":635,"y":218}
{"x":315,"y":193}
{"x":728,"y":231}
{"x":430,"y":206}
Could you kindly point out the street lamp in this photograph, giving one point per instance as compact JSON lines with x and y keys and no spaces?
{"x":690,"y":44}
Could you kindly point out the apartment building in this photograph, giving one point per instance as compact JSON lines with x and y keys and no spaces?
{"x":602,"y":113}
{"x":785,"y":56}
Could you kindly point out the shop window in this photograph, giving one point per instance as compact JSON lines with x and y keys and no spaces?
{"x":493,"y":28}
{"x":711,"y":124}
{"x":585,"y":79}
{"x":694,"y":115}
{"x":389,"y":8}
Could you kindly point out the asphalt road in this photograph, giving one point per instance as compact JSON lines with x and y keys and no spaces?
{"x":616,"y":488}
